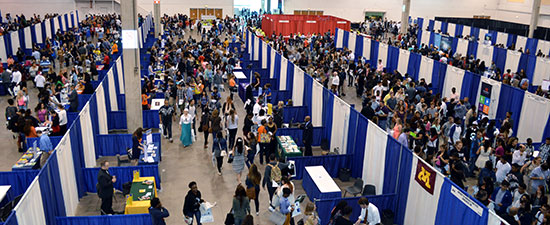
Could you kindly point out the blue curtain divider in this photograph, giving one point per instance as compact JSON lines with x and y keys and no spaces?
{"x":308,"y":94}
{"x":151,"y":119}
{"x":123,"y":175}
{"x":472,"y":49}
{"x":374,"y":53}
{"x":294,"y":114}
{"x":403,"y":183}
{"x":289,"y":77}
{"x":136,"y":219}
{"x":113,"y":144}
{"x":71,"y":117}
{"x":50,"y":187}
{"x":360,"y":140}
{"x":328,"y":104}
{"x":499,"y":57}
{"x":345,"y":40}
{"x":11,"y":220}
{"x":277,"y":96}
{"x":116,"y":120}
{"x":358,"y":47}
{"x":54,"y":139}
{"x":438,"y":76}
{"x":511,"y":40}
{"x":352,"y":133}
{"x":452,"y":211}
{"x":19,"y":181}
{"x":75,"y":134}
{"x":470,"y":84}
{"x":413,"y":68}
{"x":393,"y":58}
{"x":510,"y":99}
{"x":296,"y":134}
{"x":383,"y":202}
{"x":332,"y":163}
{"x":121,"y":99}
{"x":531,"y":45}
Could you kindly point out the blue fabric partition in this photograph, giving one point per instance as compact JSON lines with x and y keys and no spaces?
{"x":295,"y":114}
{"x":383,"y":202}
{"x":452,"y":211}
{"x":82,"y":100}
{"x":332,"y":163}
{"x":403,"y":185}
{"x":296,"y":134}
{"x":413,"y":68}
{"x":358,"y":47}
{"x":71,"y":117}
{"x":308,"y":94}
{"x":328,"y":104}
{"x":472,"y":49}
{"x":117,"y":120}
{"x":529,"y":68}
{"x":438,"y":76}
{"x":113,"y":144}
{"x":345,"y":41}
{"x":136,"y":219}
{"x":50,"y":187}
{"x":54,"y":139}
{"x":11,"y":220}
{"x":444,"y":26}
{"x":277,"y":96}
{"x":512,"y":38}
{"x":289,"y":77}
{"x":499,"y":56}
{"x":151,"y":119}
{"x":392,"y":166}
{"x":19,"y":181}
{"x":510,"y":99}
{"x":546,"y":129}
{"x":460,"y":30}
{"x":470,"y":84}
{"x":123,"y":175}
{"x":393,"y":58}
{"x":75,"y":133}
{"x":352,"y":133}
{"x":360,"y":140}
{"x":531,"y":44}
{"x":374,"y":53}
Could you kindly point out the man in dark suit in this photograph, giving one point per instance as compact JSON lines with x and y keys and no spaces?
{"x":73,"y":100}
{"x":307,"y":136}
{"x":105,"y":188}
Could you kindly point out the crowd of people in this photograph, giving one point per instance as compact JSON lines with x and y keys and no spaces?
{"x":448,"y":133}
{"x":10,"y":23}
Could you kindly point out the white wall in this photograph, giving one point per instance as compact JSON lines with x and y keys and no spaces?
{"x":353,"y":10}
{"x":172,"y":7}
{"x":519,"y":12}
{"x":100,"y":8}
{"x":40,"y":7}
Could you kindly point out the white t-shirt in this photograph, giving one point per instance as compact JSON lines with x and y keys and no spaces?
{"x":335,"y":80}
{"x":16,"y":77}
{"x":231,"y":124}
{"x":40,"y":81}
{"x":62,"y":117}
{"x":502,"y":171}
{"x":373,"y":216}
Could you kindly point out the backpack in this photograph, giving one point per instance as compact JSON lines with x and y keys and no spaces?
{"x":276,"y":174}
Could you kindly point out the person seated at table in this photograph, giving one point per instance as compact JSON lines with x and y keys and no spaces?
{"x":345,"y":218}
{"x":41,"y":112}
{"x":45,"y":145}
{"x":369,"y":213}
{"x":137,"y":146}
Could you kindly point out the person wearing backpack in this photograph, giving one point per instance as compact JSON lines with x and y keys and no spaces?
{"x":272,"y":177}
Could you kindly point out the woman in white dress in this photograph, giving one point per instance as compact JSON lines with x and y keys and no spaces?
{"x":484,"y":152}
{"x":185,"y":121}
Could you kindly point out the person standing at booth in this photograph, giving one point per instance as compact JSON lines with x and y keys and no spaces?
{"x":307,"y":136}
{"x":105,"y":188}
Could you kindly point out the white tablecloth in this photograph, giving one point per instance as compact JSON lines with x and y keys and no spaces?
{"x":239,"y":75}
{"x":322,"y":179}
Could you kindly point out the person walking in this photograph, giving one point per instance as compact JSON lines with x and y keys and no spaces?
{"x":205,"y":126}
{"x":192,"y":203}
{"x":238,"y":158}
{"x":232,"y":124}
{"x":241,"y":205}
{"x":272,"y":177}
{"x":264,"y":140}
{"x":219,"y":145}
{"x":157,"y":212}
{"x":253,"y":186}
{"x":251,"y":142}
{"x":215,"y":123}
{"x":166,"y":115}
{"x":185,"y":122}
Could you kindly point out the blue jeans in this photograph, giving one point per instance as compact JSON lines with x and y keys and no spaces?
{"x":197,"y":216}
{"x":238,"y":221}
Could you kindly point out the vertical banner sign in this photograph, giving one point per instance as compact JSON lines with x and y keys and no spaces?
{"x":425,"y":176}
{"x":484,"y":100}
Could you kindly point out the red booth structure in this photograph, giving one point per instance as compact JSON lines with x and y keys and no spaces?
{"x":304,"y":24}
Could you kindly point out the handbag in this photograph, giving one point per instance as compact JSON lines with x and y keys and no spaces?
{"x":229,"y":219}
{"x":251,"y":193}
{"x":277,"y":218}
{"x":188,"y":220}
{"x":230,"y":158}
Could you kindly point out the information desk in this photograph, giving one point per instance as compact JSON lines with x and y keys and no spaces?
{"x":29,"y":160}
{"x":319,"y":185}
{"x":287,"y":147}
{"x":151,"y":154}
{"x":141,"y":195}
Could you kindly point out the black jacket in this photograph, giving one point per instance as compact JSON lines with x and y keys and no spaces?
{"x":192,"y":203}
{"x":104,"y":184}
{"x":307,"y":136}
